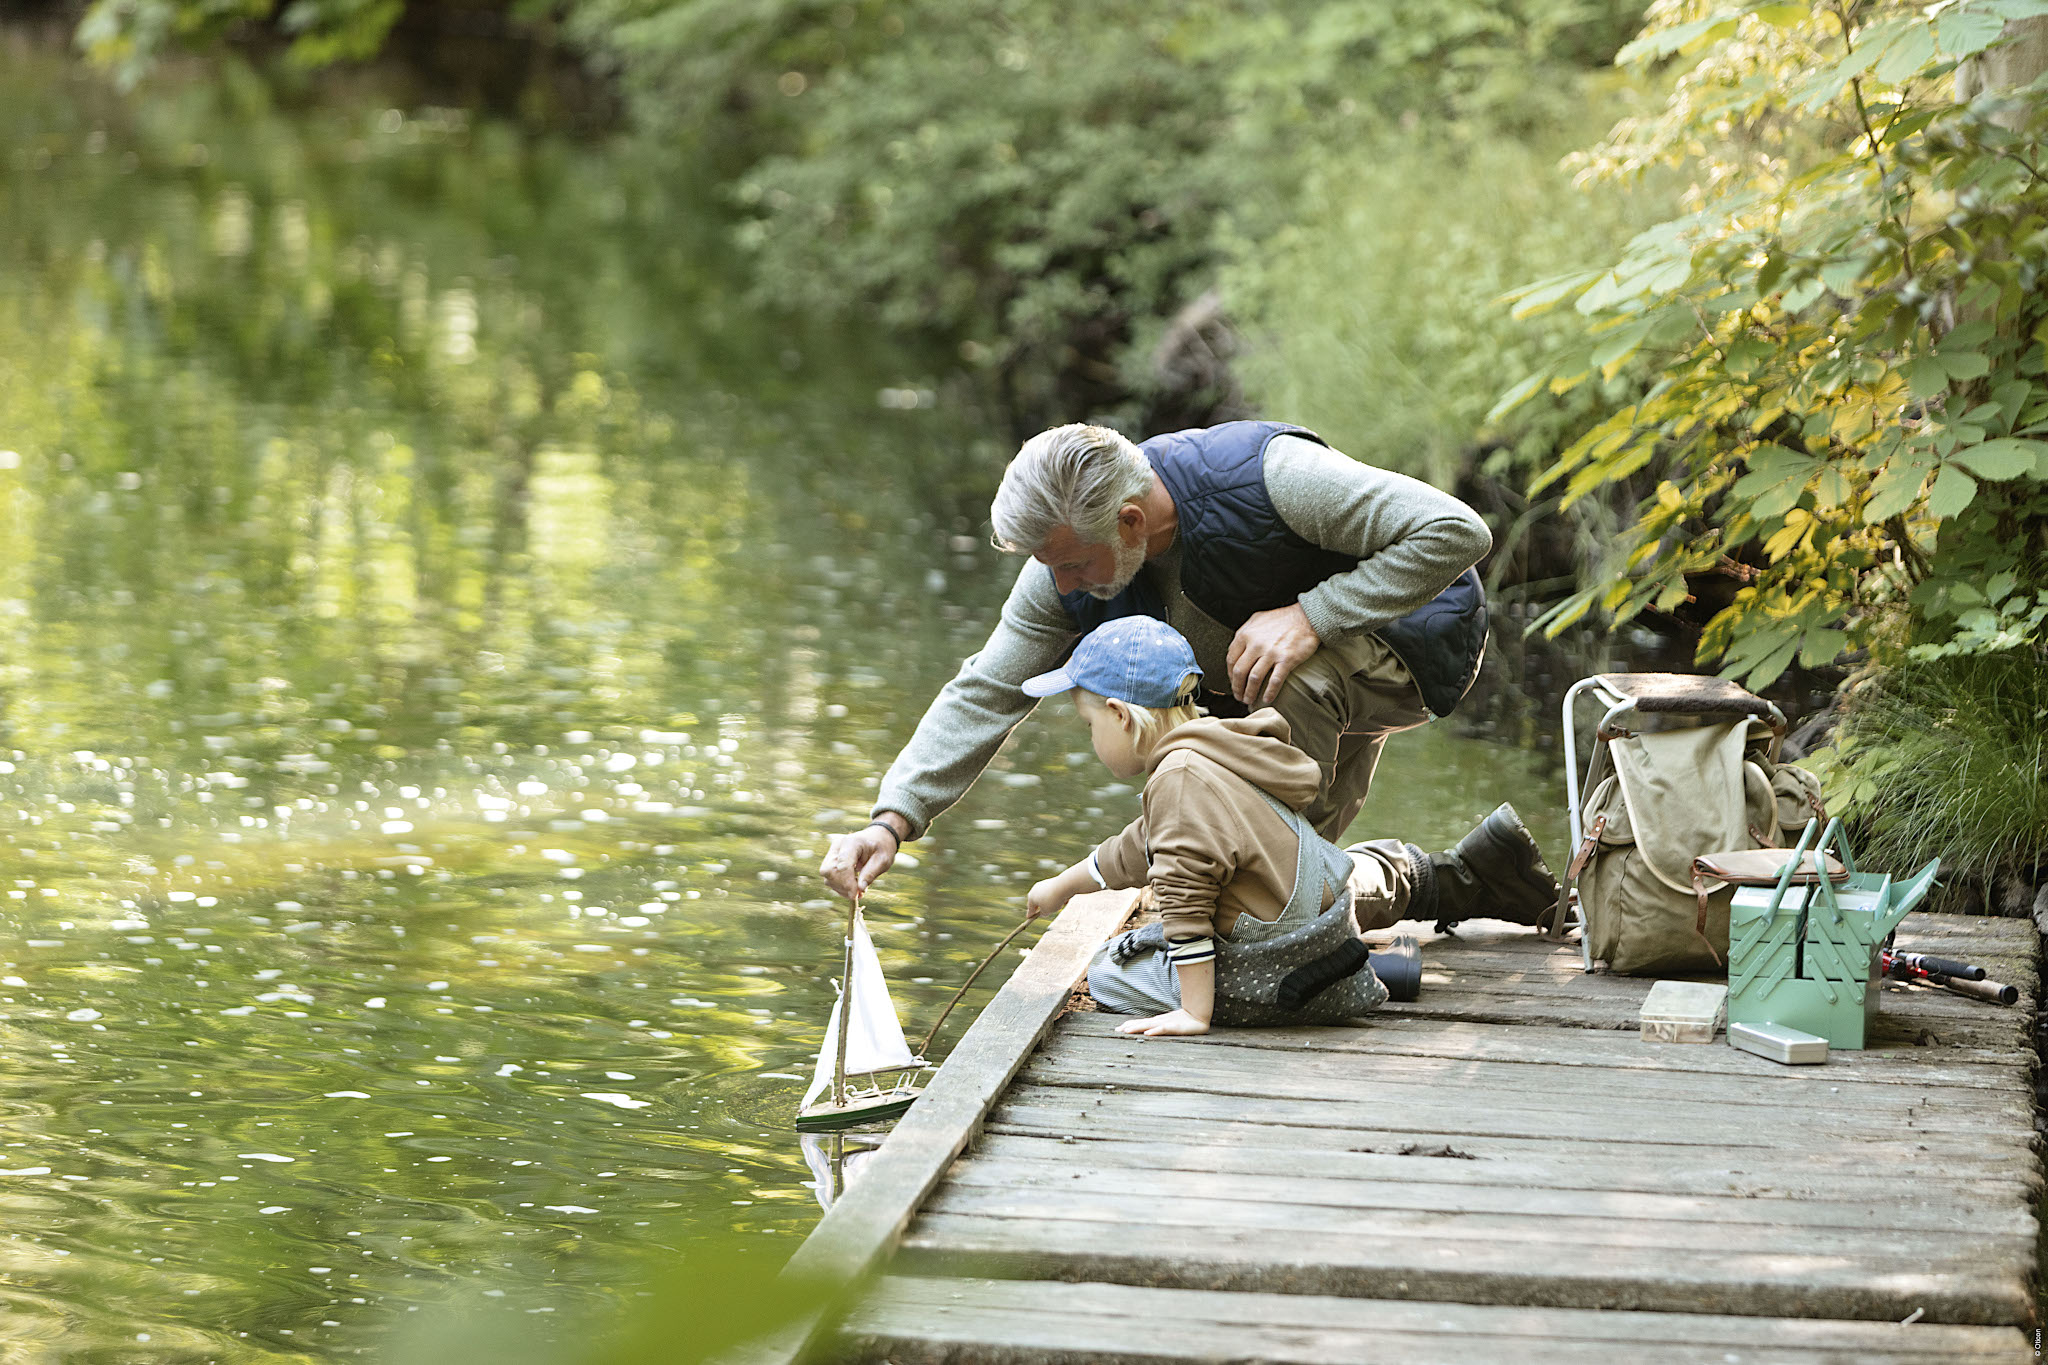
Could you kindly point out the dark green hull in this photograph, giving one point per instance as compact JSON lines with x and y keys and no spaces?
{"x":862,"y":1109}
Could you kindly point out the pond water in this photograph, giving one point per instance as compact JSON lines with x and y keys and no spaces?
{"x":439,"y":623}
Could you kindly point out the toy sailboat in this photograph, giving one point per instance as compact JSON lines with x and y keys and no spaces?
{"x":870,"y":1046}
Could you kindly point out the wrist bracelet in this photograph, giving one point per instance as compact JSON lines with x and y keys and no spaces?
{"x":885,"y":825}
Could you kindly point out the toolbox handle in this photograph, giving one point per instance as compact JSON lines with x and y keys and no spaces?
{"x":1792,"y":864}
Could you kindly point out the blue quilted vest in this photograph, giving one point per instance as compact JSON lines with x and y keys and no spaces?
{"x":1238,"y":557}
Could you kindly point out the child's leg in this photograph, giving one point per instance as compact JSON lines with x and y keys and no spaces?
{"x":1145,"y":984}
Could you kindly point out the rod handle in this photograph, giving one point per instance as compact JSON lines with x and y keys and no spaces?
{"x":1997,"y":992}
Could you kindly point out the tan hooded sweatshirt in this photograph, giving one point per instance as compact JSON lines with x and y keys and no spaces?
{"x":1208,"y":844}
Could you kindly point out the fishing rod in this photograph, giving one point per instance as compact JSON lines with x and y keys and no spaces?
{"x":932,"y":1037}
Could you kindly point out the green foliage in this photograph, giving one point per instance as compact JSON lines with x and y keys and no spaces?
{"x":129,"y":35}
{"x":1946,"y":759}
{"x":1375,"y":314}
{"x":1847,"y":333}
{"x":1035,"y":186}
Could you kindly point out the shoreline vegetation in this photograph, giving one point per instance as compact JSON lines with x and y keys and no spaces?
{"x":1775,"y":387}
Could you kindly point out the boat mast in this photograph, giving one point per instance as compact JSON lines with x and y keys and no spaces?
{"x":845,"y":1005}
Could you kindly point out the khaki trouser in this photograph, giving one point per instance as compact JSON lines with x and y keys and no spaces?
{"x":1381,"y":882}
{"x":1341,"y":718}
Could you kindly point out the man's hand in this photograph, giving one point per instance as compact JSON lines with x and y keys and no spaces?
{"x":1269,"y":646}
{"x":1179,"y":1024}
{"x":854,"y":860}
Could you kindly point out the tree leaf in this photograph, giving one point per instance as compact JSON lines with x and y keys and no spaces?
{"x":1965,"y":364}
{"x":1743,"y":355}
{"x":1766,"y":672}
{"x":1516,"y":396}
{"x":1893,"y":490}
{"x":1912,"y":50}
{"x":2005,"y":458}
{"x":1783,"y":16}
{"x":1677,"y":38}
{"x":1832,"y":490}
{"x":1966,"y":30}
{"x":1925,"y":376}
{"x":1953,"y":491}
{"x":1821,"y":646}
{"x":1544,"y":294}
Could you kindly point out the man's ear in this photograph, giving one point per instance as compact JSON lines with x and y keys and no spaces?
{"x":1130,"y":524}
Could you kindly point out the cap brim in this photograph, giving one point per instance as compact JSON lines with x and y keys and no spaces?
{"x":1046,"y":684}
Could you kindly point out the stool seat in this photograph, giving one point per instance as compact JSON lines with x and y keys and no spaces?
{"x":1686,"y":694}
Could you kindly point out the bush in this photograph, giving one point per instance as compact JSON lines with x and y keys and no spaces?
{"x":1847,"y":332}
{"x":1949,"y":759}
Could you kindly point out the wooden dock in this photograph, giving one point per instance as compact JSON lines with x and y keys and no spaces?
{"x":1500,"y":1171}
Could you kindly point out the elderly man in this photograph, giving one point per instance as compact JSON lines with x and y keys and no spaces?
{"x":1340,"y":594}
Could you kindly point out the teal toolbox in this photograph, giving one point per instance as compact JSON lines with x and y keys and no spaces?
{"x":1805,"y":955}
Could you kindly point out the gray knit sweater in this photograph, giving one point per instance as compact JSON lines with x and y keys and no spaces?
{"x":1412,"y":540}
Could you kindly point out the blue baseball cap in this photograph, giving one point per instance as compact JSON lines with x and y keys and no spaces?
{"x":1136,"y":659}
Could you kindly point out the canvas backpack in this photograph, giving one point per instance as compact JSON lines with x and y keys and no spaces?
{"x":1653,"y":803}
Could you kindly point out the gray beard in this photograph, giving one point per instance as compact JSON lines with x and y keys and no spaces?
{"x":1129,"y":559}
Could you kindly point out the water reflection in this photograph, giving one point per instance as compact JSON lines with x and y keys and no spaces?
{"x":438,"y":628}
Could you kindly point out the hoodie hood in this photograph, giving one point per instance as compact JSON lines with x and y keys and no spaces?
{"x":1255,"y":747}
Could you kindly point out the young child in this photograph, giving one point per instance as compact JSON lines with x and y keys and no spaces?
{"x":1221,"y":842}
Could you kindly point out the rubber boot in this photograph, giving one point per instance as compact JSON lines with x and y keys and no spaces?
{"x":1399,"y":968}
{"x":1495,"y":872}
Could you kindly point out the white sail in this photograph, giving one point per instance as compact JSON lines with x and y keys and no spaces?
{"x":876,"y":1040}
{"x":827,"y":1184}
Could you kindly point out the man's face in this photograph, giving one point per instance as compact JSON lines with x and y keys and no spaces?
{"x":1101,"y":571}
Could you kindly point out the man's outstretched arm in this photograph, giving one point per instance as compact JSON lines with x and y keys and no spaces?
{"x":960,"y":732}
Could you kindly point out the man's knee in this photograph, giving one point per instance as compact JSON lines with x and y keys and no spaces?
{"x":1315,"y":703}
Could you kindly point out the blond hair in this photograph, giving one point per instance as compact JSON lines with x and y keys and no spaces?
{"x":1150,"y":724}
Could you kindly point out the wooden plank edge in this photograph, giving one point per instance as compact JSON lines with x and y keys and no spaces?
{"x":918,"y":1299}
{"x":860,"y":1232}
{"x":2001,"y":1298}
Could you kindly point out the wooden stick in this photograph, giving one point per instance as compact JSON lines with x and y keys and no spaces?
{"x":845,"y":1004}
{"x":925,"y":1046}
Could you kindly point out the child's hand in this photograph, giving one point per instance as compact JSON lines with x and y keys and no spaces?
{"x":1048,"y":897}
{"x":1179,"y":1024}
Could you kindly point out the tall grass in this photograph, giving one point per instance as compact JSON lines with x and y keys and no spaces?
{"x":1947,"y":759}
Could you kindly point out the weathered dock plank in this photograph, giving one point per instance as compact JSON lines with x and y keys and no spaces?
{"x":941,"y":1321}
{"x":1499,"y":1170}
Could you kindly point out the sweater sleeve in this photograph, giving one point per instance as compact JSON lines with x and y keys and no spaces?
{"x":1411,"y":539}
{"x":1121,"y":858}
{"x":975,"y":712}
{"x":1197,"y":844}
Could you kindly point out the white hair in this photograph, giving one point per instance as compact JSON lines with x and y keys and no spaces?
{"x":1076,"y":476}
